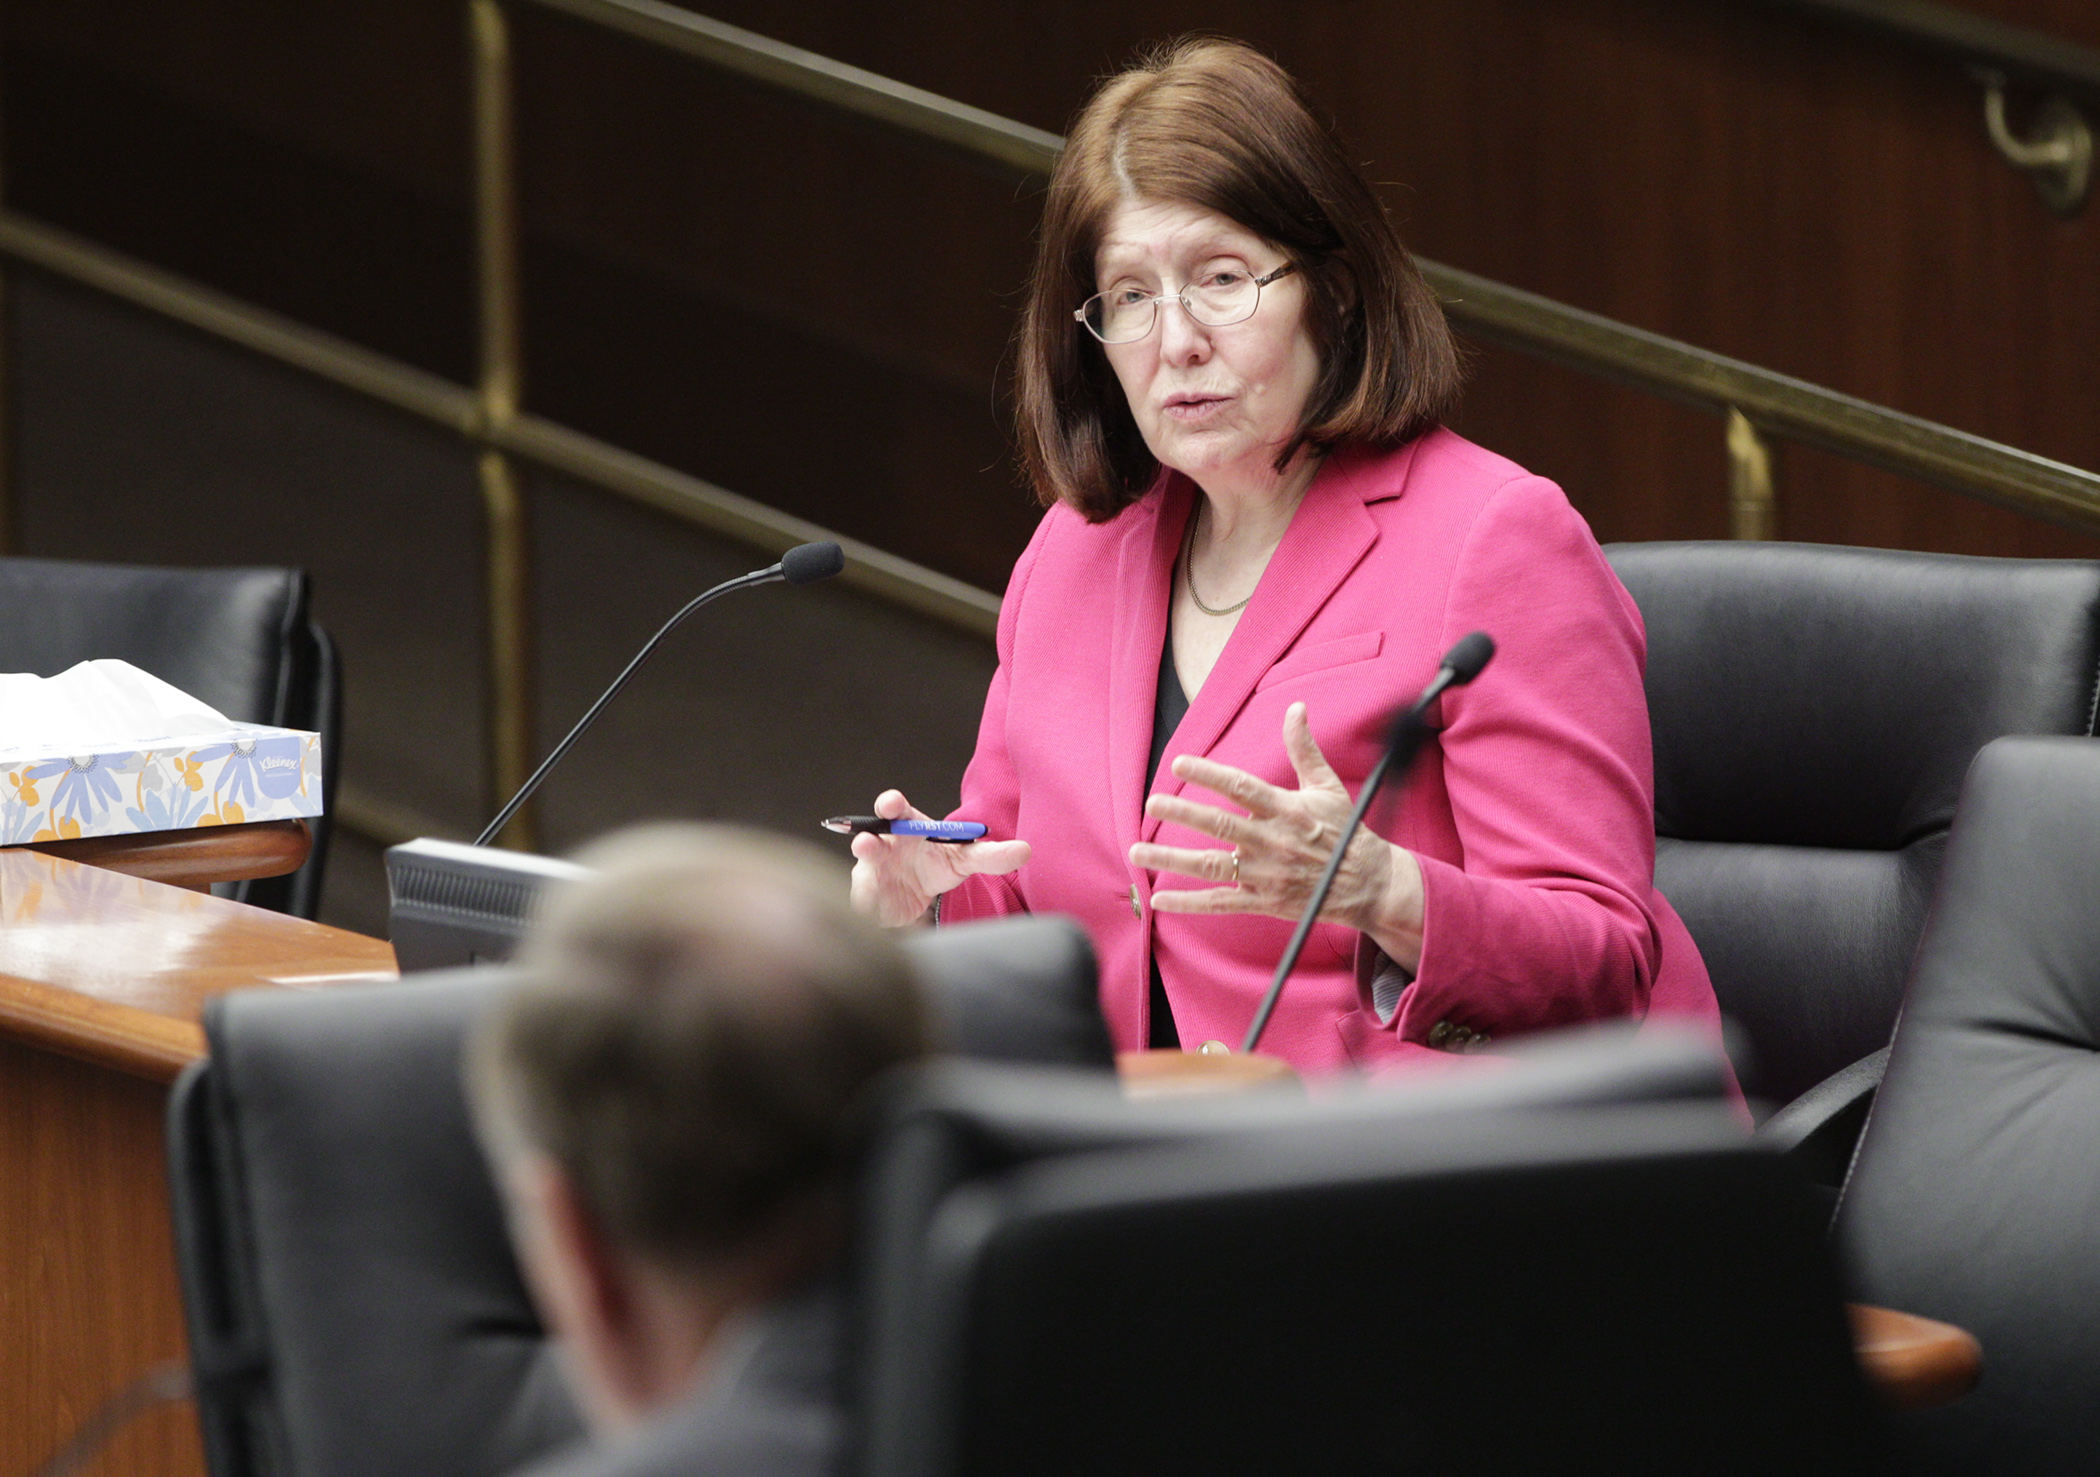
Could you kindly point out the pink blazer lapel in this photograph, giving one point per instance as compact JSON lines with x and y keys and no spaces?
{"x":1144,"y":579}
{"x":1327,"y":539}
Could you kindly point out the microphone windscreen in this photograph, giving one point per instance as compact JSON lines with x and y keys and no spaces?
{"x":1467,"y":658}
{"x":807,"y":563}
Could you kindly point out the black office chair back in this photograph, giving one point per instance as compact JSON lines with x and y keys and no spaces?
{"x":1611,"y":1288}
{"x":1022,"y":990}
{"x":1814,"y":711}
{"x":240,"y":640}
{"x":959,"y":1120}
{"x":352,"y":1301}
{"x":1975,"y":1197}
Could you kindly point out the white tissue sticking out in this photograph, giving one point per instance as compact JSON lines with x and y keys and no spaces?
{"x":97,"y":706}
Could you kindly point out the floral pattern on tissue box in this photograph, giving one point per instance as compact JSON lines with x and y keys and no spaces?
{"x":257,"y":774}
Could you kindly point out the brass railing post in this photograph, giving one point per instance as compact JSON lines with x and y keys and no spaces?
{"x":510,"y":657}
{"x":1753,"y":509}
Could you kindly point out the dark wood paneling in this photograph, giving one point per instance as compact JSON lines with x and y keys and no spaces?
{"x":377,"y":84}
{"x":817,"y":314}
{"x":317,"y":236}
{"x":842,"y":302}
{"x":1769,"y":187}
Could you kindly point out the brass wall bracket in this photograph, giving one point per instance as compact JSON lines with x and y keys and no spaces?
{"x":1753,"y":503}
{"x":2057,"y":154}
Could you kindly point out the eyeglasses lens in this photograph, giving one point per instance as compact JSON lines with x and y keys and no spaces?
{"x":1125,"y":316}
{"x":1222,"y":300}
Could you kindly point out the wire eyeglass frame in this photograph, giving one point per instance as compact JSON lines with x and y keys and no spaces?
{"x":1084,"y":313}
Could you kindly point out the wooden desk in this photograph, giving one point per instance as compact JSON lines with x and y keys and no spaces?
{"x":102,"y":977}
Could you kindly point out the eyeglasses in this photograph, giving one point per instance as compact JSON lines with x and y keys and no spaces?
{"x":1123,"y":315}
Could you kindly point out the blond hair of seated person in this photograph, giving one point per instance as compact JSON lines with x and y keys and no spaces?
{"x":665,"y":1100}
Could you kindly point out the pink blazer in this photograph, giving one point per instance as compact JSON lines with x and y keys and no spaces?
{"x":1531,"y":807}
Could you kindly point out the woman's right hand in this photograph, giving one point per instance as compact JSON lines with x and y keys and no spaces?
{"x":896,"y":878}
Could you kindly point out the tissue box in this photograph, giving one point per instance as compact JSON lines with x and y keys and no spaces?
{"x":239,"y":772}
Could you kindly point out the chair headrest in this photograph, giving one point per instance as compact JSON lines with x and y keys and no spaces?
{"x":996,"y":1114}
{"x":1825,"y":696}
{"x":227,"y":637}
{"x":1020,"y":989}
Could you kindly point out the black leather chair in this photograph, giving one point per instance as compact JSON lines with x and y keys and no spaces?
{"x":1814,"y":711}
{"x":1422,"y":1280}
{"x":352,"y":1302}
{"x":1975,"y":1197}
{"x":240,"y":640}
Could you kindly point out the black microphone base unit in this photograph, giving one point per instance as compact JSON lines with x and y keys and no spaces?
{"x":449,"y":904}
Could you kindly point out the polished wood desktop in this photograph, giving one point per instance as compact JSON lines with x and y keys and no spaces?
{"x":102,"y":979}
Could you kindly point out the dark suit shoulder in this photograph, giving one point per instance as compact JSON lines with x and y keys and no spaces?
{"x":773,"y":1413}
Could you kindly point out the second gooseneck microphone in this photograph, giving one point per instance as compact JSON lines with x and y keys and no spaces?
{"x":1461,"y":664}
{"x":802,"y":565}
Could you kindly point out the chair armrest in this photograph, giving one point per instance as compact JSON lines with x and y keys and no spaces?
{"x":1817,"y":1130}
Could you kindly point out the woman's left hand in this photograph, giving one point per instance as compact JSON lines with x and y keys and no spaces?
{"x":1283,"y":844}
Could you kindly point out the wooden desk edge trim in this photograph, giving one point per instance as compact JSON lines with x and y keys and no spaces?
{"x":1916,"y":1362}
{"x":196,"y":857}
{"x":119,"y":1037}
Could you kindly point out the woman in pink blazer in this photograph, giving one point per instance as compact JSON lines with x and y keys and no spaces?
{"x":1259,"y":544}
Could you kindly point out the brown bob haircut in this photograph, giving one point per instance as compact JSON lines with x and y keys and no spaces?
{"x":1215,"y":124}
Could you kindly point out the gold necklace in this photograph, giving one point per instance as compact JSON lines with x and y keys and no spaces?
{"x":1188,"y":566}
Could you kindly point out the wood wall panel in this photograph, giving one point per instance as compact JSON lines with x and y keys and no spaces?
{"x":741,"y":287}
{"x":257,"y":212}
{"x":381,"y":84}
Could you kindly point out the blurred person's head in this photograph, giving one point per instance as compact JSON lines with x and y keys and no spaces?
{"x":667,"y":1096}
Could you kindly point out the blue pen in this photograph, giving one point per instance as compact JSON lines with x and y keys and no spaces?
{"x":952,"y":832}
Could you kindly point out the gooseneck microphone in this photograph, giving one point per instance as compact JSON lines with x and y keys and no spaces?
{"x":802,"y":565}
{"x":1461,"y":664}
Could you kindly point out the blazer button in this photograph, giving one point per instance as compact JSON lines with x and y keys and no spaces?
{"x":1135,"y":910}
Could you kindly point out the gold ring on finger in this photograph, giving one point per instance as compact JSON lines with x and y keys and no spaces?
{"x":1235,"y":866}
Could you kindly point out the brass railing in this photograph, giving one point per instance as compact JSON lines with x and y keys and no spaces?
{"x":1769,"y":403}
{"x":1754,"y":402}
